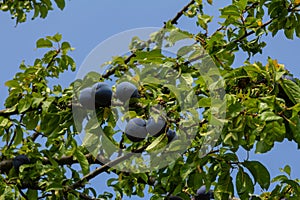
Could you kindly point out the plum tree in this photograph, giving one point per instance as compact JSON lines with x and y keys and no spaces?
{"x":261,"y":108}
{"x":126,"y":90}
{"x":135,"y":129}
{"x":20,"y":160}
{"x":156,"y":127}
{"x":103,"y":94}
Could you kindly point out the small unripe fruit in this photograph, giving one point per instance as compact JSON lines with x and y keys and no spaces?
{"x":135,"y":130}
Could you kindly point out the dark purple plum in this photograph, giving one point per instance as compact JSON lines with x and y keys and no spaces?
{"x":202,"y":194}
{"x":20,"y":160}
{"x":125,"y":91}
{"x":86,"y":98}
{"x":103,"y":94}
{"x":135,"y":129}
{"x":156,"y":127}
{"x":171,"y":135}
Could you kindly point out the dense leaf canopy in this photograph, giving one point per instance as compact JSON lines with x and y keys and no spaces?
{"x":249,"y":107}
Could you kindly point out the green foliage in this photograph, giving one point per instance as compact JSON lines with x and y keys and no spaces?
{"x":258,"y":105}
{"x":20,"y":8}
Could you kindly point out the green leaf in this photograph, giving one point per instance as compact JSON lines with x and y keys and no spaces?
{"x":204,"y":102}
{"x":36,"y":101}
{"x":291,"y":89}
{"x":84,"y":164}
{"x":31,"y":120}
{"x":12,"y":84}
{"x":43,"y":11}
{"x":184,"y":50}
{"x":24,"y":104}
{"x":235,"y":109}
{"x":292,"y":183}
{"x":19,"y":136}
{"x":4,"y":122}
{"x":149,"y":56}
{"x":36,"y":11}
{"x":60,"y":4}
{"x":287,"y":169}
{"x":185,"y":171}
{"x":244,"y":184}
{"x":224,"y":187}
{"x":279,"y":178}
{"x":158,"y":143}
{"x":231,"y":10}
{"x":54,"y":186}
{"x":43,"y":43}
{"x":188,"y":78}
{"x":262,"y":147}
{"x":32,"y":194}
{"x":176,"y":146}
{"x":259,"y":172}
{"x":203,"y":20}
{"x":269,"y":116}
{"x":177,"y":35}
{"x":56,"y":38}
{"x":241,"y":4}
{"x":289,"y":33}
{"x":65,"y":46}
{"x":108,"y":146}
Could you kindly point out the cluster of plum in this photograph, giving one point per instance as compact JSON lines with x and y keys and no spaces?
{"x":137,"y":129}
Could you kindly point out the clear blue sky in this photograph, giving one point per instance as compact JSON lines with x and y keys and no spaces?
{"x":86,"y":23}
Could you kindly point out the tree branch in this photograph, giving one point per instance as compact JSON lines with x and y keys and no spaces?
{"x":181,"y":12}
{"x":98,"y":171}
{"x":251,"y":32}
{"x":103,"y":168}
{"x":8,"y":112}
{"x":290,"y":9}
{"x":174,"y":20}
{"x":6,"y":165}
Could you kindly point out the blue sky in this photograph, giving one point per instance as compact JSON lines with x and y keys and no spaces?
{"x":87,"y":23}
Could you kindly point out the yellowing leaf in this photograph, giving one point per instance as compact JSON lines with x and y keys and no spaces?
{"x":259,"y":23}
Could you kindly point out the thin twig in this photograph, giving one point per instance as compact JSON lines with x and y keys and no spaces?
{"x":104,"y":168}
{"x":112,"y":70}
{"x":22,"y":193}
{"x":98,"y":171}
{"x":181,"y":12}
{"x":251,"y":32}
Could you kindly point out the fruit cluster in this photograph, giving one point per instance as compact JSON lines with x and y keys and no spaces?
{"x":137,"y":129}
